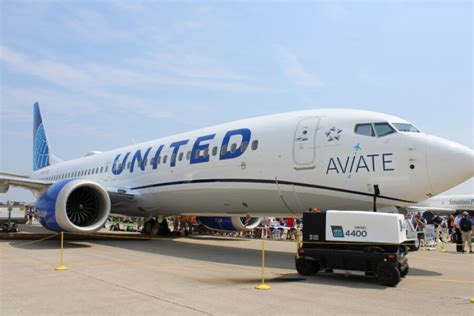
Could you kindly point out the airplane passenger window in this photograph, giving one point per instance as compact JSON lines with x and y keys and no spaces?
{"x":383,"y":129}
{"x":180,"y":158}
{"x":223,"y":150}
{"x":255,"y":145}
{"x":406,"y":127}
{"x":244,"y":146}
{"x":188,"y":155}
{"x":173,"y":157}
{"x":101,"y":169}
{"x":206,"y":152}
{"x":165,"y":158}
{"x":214,"y":150}
{"x":159,"y":160}
{"x":364,"y":129}
{"x":97,"y":170}
{"x":233,"y":148}
{"x":128,"y":165}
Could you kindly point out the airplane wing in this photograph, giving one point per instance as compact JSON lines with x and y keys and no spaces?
{"x":7,"y":179}
{"x":121,"y":201}
{"x":432,"y":208}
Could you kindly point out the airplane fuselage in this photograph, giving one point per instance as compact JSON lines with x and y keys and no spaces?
{"x":278,"y":164}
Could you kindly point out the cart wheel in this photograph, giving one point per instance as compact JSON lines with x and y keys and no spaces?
{"x":415,"y":246}
{"x":404,"y":272}
{"x":387,"y":274}
{"x":306,"y":267}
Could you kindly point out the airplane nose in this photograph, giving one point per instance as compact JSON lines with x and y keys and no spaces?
{"x":448,"y":164}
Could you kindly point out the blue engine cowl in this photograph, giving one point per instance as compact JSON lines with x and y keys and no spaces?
{"x":235,"y":223}
{"x":74,"y":205}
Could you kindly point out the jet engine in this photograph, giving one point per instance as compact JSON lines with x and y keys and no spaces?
{"x":235,"y":223}
{"x":74,"y":205}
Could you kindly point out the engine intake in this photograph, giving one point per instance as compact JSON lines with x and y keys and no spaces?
{"x":75,"y":205}
{"x":235,"y":223}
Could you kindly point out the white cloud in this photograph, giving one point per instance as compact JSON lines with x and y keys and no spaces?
{"x":294,"y":70}
{"x":86,"y":88}
{"x":193,"y":72}
{"x":54,"y":72}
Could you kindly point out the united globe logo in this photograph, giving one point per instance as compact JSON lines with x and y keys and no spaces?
{"x":40,"y":149}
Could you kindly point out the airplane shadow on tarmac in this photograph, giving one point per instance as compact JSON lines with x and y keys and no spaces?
{"x":250,"y":258}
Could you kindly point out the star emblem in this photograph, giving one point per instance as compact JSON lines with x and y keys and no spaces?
{"x":333,"y":134}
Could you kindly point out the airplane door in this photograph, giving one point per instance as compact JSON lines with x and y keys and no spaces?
{"x":304,"y":143}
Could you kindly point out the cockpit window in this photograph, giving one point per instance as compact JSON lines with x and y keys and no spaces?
{"x":383,"y":129}
{"x":405,"y":127}
{"x":364,"y":129}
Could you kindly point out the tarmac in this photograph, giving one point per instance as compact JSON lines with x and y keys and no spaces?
{"x":214,"y":276}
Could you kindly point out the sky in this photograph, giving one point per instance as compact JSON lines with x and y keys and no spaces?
{"x":112,"y":73}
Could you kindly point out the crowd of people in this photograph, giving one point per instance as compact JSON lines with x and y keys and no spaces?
{"x":455,"y":228}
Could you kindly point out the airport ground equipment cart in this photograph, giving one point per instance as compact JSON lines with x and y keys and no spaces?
{"x":414,"y":238}
{"x":354,"y":242}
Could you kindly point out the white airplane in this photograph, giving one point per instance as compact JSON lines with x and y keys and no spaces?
{"x":446,"y":204}
{"x":277,"y":165}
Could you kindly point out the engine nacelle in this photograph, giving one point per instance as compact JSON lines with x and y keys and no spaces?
{"x":4,"y":188}
{"x":235,"y":223}
{"x":75,"y":205}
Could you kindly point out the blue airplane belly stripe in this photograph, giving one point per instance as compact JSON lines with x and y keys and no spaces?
{"x":307,"y":185}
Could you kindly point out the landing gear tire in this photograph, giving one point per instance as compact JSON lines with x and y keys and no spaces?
{"x":388,"y":275}
{"x":148,"y":226}
{"x":306,"y":267}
